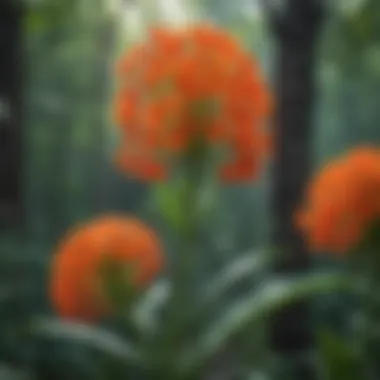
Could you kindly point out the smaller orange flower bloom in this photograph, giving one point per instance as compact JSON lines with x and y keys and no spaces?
{"x":77,"y":282}
{"x":342,"y":201}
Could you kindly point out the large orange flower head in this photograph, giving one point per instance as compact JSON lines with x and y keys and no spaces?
{"x":78,"y":282}
{"x":343,"y":202}
{"x":185,"y":85}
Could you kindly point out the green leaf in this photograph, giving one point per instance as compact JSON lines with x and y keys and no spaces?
{"x":260,"y":303}
{"x":145,"y":313}
{"x":94,"y":337}
{"x":243,"y":267}
{"x":340,"y":361}
{"x":168,"y":197}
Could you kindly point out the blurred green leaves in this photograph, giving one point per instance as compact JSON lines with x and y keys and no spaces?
{"x":146,"y":312}
{"x":272,"y":295}
{"x":46,"y":14}
{"x":244,"y":266}
{"x":339,"y":360}
{"x":354,"y":29}
{"x":93,"y":337}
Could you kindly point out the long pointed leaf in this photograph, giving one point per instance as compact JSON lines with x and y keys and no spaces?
{"x":94,"y":337}
{"x":144,"y":314}
{"x":271,"y":297}
{"x":243,"y":267}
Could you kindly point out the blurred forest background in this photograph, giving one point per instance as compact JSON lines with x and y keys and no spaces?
{"x":68,"y":56}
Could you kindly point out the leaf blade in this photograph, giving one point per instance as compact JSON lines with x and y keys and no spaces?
{"x":251,"y":309}
{"x":94,"y":337}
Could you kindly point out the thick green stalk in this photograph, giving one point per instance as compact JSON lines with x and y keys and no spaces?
{"x":173,"y":334}
{"x":182,"y":274}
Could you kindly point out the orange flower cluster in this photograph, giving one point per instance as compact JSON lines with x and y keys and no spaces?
{"x":342,"y":201}
{"x":186,"y":85}
{"x":77,"y":288}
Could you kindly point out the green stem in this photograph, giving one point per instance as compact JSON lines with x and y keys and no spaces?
{"x":183,"y":275}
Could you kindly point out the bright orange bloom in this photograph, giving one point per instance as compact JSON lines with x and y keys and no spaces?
{"x":342,"y":201}
{"x":189,"y":84}
{"x":77,"y":289}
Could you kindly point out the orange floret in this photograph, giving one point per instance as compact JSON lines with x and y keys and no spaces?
{"x":342,"y":201}
{"x":77,"y":289}
{"x":181,"y":85}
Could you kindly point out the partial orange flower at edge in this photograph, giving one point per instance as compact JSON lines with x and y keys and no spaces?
{"x":342,"y":201}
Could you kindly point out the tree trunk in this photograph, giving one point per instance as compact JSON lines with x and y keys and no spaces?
{"x":296,"y":31}
{"x":10,"y":111}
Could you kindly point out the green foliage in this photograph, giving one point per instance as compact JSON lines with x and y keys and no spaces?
{"x":94,"y":337}
{"x":146,"y":313}
{"x":44,"y":15}
{"x":244,"y":266}
{"x":347,"y":112}
{"x":168,"y":197}
{"x":339,"y":359}
{"x":273,"y":295}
